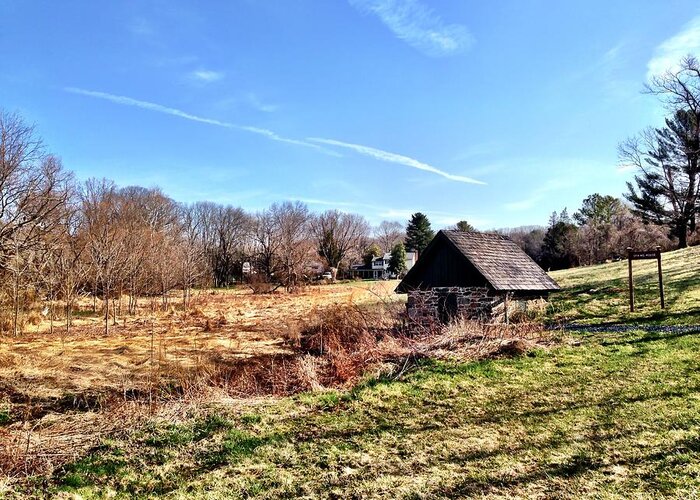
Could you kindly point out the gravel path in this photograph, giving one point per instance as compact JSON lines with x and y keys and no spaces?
{"x":617,"y":328}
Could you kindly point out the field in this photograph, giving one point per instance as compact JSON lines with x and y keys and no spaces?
{"x":61,"y":393}
{"x":611,"y":413}
{"x":612,"y":417}
{"x":221,"y":325}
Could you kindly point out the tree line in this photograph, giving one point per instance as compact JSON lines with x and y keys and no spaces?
{"x":62,"y":240}
{"x":600,"y":230}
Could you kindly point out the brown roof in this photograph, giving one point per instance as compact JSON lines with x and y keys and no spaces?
{"x":504,"y":265}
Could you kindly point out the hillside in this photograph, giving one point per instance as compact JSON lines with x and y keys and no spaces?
{"x":599,"y":294}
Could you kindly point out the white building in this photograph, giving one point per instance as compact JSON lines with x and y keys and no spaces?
{"x":379,"y":268}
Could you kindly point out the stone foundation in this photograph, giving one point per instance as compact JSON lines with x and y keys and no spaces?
{"x":436,"y":306}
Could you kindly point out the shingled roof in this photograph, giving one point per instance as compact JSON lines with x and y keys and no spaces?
{"x":501,"y":262}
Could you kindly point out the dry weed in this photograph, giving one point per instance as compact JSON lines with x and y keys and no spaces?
{"x":66,"y":393}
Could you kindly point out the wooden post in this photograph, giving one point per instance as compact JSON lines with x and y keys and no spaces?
{"x":661,"y":278}
{"x":631,"y":282}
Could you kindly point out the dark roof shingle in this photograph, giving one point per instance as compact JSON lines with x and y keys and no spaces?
{"x":502,"y":262}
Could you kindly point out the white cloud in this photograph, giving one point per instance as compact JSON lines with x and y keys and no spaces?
{"x":625,"y":169}
{"x":394,"y":158}
{"x":672,"y":50}
{"x":206,"y":76}
{"x":419,"y":26}
{"x":258,"y":104}
{"x":128,"y":101}
{"x":141,"y":27}
{"x":309,"y":143}
{"x":377,"y":213}
{"x":248,"y":100}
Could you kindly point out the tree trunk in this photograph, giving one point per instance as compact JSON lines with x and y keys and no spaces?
{"x":106,"y":301}
{"x":114,"y":311}
{"x":683,"y":234}
{"x":69,"y":314}
{"x":51,"y":310}
{"x":15,"y":304}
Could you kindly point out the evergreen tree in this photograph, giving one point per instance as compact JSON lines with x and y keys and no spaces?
{"x":371,"y":253}
{"x":464,"y":226}
{"x":418,"y":233}
{"x":668,"y":184}
{"x":558,"y":250}
{"x":397,"y":263}
{"x":667,"y":159}
{"x":597,"y":209}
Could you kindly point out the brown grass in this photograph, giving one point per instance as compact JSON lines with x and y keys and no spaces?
{"x":66,"y":392}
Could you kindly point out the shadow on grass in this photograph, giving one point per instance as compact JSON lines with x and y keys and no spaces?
{"x":653,"y":337}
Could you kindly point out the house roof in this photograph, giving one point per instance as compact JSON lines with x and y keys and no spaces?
{"x":502,"y":263}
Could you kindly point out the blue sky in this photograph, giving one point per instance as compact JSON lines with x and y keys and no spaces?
{"x":495,"y":112}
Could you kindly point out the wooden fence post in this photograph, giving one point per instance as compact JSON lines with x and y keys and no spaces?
{"x":631,"y":282}
{"x":661,"y":278}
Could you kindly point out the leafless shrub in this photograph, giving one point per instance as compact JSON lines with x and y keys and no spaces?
{"x":467,"y":340}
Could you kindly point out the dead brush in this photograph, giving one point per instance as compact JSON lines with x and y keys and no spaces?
{"x":335,"y":348}
{"x":214,"y":324}
{"x":264,"y":375}
{"x":464,"y":339}
{"x":348,"y":339}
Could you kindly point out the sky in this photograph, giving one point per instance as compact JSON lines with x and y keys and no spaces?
{"x":497,"y":113}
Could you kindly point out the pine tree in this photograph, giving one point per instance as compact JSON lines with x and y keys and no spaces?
{"x":418,"y":233}
{"x":667,"y":187}
{"x":464,"y":226}
{"x":371,"y":253}
{"x":667,"y":159}
{"x":558,"y":246}
{"x":397,"y":263}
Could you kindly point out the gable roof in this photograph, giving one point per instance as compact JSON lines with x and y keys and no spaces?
{"x":502,"y":263}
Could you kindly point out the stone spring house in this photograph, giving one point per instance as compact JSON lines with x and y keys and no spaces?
{"x":472,"y":275}
{"x":379,"y":267}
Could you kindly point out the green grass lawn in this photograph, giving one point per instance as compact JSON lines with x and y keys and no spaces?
{"x":617,"y":415}
{"x":599,"y":294}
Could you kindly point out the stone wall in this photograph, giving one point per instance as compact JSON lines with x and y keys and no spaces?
{"x":435,"y":306}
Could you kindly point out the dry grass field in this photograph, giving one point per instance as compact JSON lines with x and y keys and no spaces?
{"x":61,"y":392}
{"x":220,"y":325}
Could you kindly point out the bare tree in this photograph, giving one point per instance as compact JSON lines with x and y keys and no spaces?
{"x":292,"y":222}
{"x":337,"y":233}
{"x":67,"y":261}
{"x":667,"y":188}
{"x":191,"y":251}
{"x":678,"y":88}
{"x":267,"y":238}
{"x":224,"y":231}
{"x":32,"y":190}
{"x":388,"y":234}
{"x":105,"y":233}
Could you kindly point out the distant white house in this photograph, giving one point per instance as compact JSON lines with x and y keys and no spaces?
{"x":379,"y":267}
